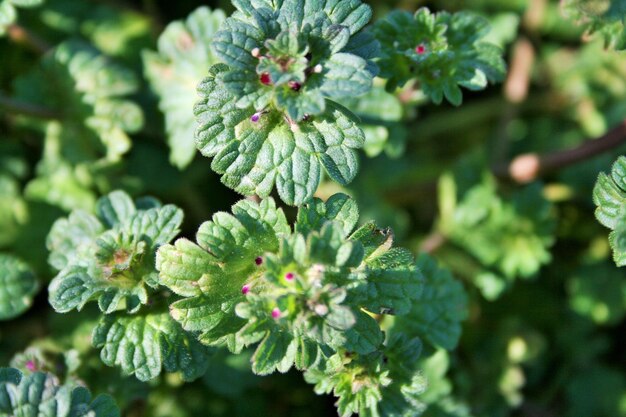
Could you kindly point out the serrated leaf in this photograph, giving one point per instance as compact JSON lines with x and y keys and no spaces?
{"x":18,"y":286}
{"x":183,"y":56}
{"x":144,"y":345}
{"x":109,"y":258}
{"x":42,"y":395}
{"x":296,"y":294}
{"x":253,"y":156}
{"x":437,"y":315}
{"x":609,"y":195}
{"x":338,"y":208}
{"x":442,"y":51}
{"x":214,"y":271}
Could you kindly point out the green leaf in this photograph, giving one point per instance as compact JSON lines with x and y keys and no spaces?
{"x":599,"y":292}
{"x":381,"y":114}
{"x":299,"y":295}
{"x":18,"y":286}
{"x":602,"y":18}
{"x":8,"y":12}
{"x":441,"y":51}
{"x":183,"y":56}
{"x":437,"y":315}
{"x":339,"y":208}
{"x":109,"y":258}
{"x":214,"y":271}
{"x":296,"y":47}
{"x":90,"y":127}
{"x":609,"y":195}
{"x":393,"y":282}
{"x":41,"y":395}
{"x":509,"y":236}
{"x":13,"y":210}
{"x":145,"y":344}
{"x":253,"y":156}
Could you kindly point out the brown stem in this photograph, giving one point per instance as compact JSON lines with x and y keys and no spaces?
{"x":526,"y":168}
{"x":21,"y":35}
{"x":432,"y":242}
{"x":26,"y":109}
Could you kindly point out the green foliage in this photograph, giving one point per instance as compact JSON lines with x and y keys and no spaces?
{"x":604,"y":18}
{"x":18,"y":285}
{"x":609,"y":196}
{"x":289,"y":91}
{"x":443,"y":306}
{"x":291,"y":56}
{"x":8,"y":11}
{"x":175,"y":71}
{"x":306,"y":296}
{"x":266,"y":115}
{"x":510,"y":237}
{"x":91,"y":118}
{"x":599,"y":292}
{"x":253,"y":156}
{"x":109,"y":257}
{"x":442,"y":51}
{"x":41,"y":395}
{"x":381,"y":114}
{"x":144,"y":344}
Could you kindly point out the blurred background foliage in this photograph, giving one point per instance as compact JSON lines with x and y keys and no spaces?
{"x":81,"y":114}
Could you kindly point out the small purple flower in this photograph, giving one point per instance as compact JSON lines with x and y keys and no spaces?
{"x":245,"y":289}
{"x":30,"y":365}
{"x":289,"y":276}
{"x":256,"y":117}
{"x":276,"y":313}
{"x":258,"y":261}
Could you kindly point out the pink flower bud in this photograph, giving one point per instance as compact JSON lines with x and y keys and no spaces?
{"x":289,"y":276}
{"x":30,"y":365}
{"x":420,"y":49}
{"x":265,"y":78}
{"x":276,"y":313}
{"x":258,"y":261}
{"x":245,"y":289}
{"x":256,"y":117}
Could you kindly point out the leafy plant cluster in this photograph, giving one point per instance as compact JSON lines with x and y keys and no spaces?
{"x":264,"y":283}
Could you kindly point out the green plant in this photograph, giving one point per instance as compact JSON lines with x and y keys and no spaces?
{"x":284,"y":293}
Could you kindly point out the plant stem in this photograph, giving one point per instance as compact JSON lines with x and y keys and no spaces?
{"x":21,"y":35}
{"x":528,"y":167}
{"x":432,"y":242}
{"x":27,"y":109}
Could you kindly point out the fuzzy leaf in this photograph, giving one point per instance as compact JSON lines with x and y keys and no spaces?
{"x":109,"y":258}
{"x":442,"y":51}
{"x":436,"y":316}
{"x":253,"y":156}
{"x":287,"y":55}
{"x":18,"y":286}
{"x":609,"y":195}
{"x":213,"y":272}
{"x":298,"y":295}
{"x":183,"y":56}
{"x":145,"y":344}
{"x":41,"y":395}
